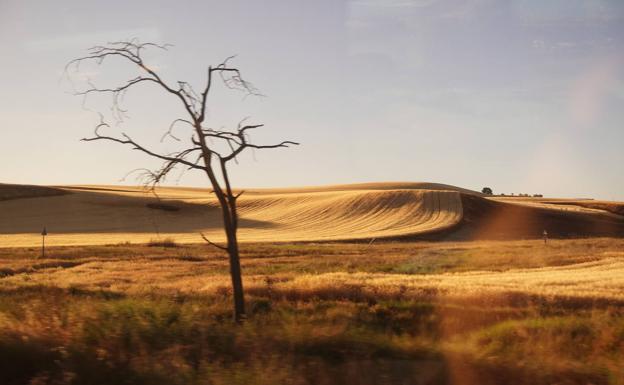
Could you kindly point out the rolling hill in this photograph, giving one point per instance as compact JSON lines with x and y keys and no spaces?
{"x":75,"y":215}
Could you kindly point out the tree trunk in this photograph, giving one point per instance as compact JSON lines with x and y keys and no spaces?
{"x":235,"y":273}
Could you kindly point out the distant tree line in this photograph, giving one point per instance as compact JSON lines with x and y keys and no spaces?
{"x":489,"y":191}
{"x":523,"y":195}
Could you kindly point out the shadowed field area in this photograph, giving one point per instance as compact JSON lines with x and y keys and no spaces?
{"x":16,"y":191}
{"x":507,"y":218}
{"x":488,"y":312}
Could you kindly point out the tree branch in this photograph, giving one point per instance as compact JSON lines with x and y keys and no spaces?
{"x":177,"y":158}
{"x":240,"y":149}
{"x":169,"y":131}
{"x":212,"y":243}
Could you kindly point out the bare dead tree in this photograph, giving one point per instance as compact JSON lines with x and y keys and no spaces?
{"x":201,"y":153}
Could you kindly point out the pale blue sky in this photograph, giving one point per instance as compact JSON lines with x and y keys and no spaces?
{"x":522,"y":96}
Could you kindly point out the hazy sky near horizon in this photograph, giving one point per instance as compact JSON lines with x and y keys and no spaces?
{"x":523,"y":96}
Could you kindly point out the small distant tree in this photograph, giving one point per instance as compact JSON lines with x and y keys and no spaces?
{"x":201,"y":152}
{"x":487,"y":191}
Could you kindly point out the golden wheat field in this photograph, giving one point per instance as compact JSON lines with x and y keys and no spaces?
{"x":429,"y":284}
{"x":86,"y":215}
{"x":106,"y":214}
{"x":599,"y":275}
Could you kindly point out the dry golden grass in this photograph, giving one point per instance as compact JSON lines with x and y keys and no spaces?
{"x":577,"y":269}
{"x":465,"y":313}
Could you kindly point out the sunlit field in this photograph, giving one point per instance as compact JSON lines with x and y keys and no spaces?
{"x":87,"y":215}
{"x":99,"y":215}
{"x":473,"y":312}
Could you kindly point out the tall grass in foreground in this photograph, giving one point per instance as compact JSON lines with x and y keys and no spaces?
{"x":55,"y":336}
{"x":394,"y":313}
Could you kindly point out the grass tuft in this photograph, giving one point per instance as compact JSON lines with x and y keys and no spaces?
{"x":165,"y":242}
